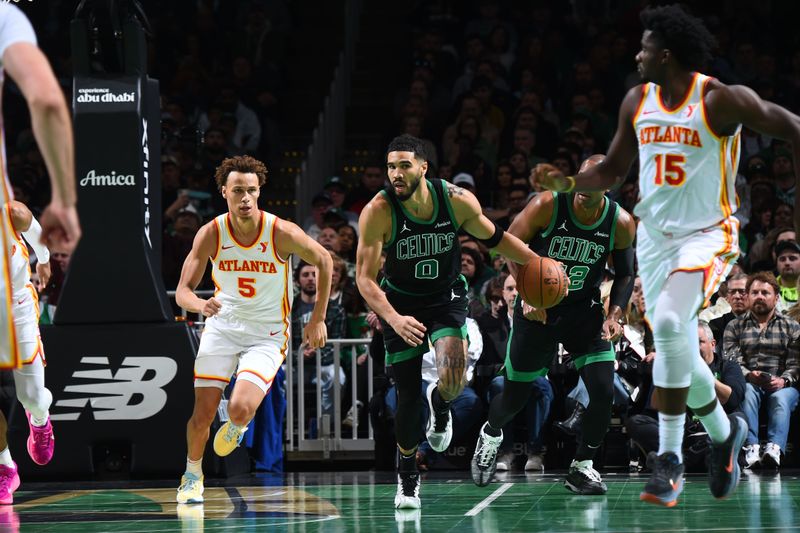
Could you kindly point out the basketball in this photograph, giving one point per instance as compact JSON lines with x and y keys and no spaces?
{"x":542,"y":283}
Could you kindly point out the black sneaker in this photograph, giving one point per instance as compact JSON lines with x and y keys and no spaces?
{"x":407,"y":496}
{"x":723,"y":464}
{"x":484,"y":462}
{"x":666,"y":482}
{"x":583,"y":479}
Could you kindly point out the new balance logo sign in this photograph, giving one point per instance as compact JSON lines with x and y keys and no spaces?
{"x":405,"y":227}
{"x":103,"y":180}
{"x":601,"y":234}
{"x":563,"y":226}
{"x":123,"y":395}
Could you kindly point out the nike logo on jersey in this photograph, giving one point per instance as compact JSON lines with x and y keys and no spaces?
{"x":442,"y":224}
{"x":228,"y":247}
{"x":273,"y":333}
{"x":601,"y":234}
{"x":21,"y":301}
{"x":649,"y":112}
{"x":404,"y":228}
{"x":563,"y":226}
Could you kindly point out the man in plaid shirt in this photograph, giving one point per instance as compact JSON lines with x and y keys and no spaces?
{"x":765,"y":342}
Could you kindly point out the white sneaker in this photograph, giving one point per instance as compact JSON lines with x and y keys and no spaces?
{"x":407,"y":496}
{"x":505,"y":461}
{"x":191,"y":489}
{"x":352,"y":413}
{"x":484,"y":460}
{"x":439,"y":432}
{"x":771,"y":456}
{"x":752,"y":455}
{"x":534,"y":463}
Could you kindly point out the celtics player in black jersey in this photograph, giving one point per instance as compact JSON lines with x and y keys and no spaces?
{"x":422,"y":297}
{"x":581,"y":231}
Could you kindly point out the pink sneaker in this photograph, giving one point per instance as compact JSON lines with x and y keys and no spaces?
{"x":9,"y":482}
{"x":41,"y":442}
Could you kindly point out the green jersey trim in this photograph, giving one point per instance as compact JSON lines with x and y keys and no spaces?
{"x":553,"y":217}
{"x":613,"y":228}
{"x":597,"y":357}
{"x":405,"y":355}
{"x":460,"y":333}
{"x":593,"y":226}
{"x":394,"y":220}
{"x":435,"y":207}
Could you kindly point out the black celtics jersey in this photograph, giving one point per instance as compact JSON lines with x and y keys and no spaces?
{"x":422,"y":256}
{"x":582,"y":249}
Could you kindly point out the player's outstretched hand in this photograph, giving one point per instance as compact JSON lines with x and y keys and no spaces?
{"x":548,"y":177}
{"x":409,"y":329}
{"x":60,"y":226}
{"x":211,"y":307}
{"x":534,"y":314}
{"x":612,"y":330}
{"x":43,"y":272}
{"x":315,"y":334}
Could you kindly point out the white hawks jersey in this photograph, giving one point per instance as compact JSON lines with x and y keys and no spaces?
{"x":22,"y":289}
{"x":251,"y":279}
{"x":687,"y":172}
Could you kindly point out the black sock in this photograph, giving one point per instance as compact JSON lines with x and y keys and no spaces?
{"x":491,"y":431}
{"x":407,"y":463}
{"x":440,"y":405}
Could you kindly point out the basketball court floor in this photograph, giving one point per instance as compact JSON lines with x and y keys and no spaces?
{"x":363,"y":502}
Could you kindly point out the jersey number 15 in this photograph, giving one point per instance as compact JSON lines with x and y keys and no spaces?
{"x":669,"y":169}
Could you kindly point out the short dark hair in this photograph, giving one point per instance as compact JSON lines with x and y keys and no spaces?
{"x":299,"y":268}
{"x":240,"y":163}
{"x":408,"y":143}
{"x":763,"y":277}
{"x":684,"y":35}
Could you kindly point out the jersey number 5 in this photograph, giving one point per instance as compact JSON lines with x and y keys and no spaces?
{"x":247,"y":287}
{"x":669,"y":168}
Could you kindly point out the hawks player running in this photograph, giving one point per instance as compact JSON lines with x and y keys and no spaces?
{"x":248,"y":316}
{"x":29,"y":379}
{"x":685,"y":128}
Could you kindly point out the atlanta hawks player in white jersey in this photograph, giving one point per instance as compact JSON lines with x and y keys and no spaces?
{"x":29,"y":379}
{"x":685,"y":128}
{"x":248,"y":316}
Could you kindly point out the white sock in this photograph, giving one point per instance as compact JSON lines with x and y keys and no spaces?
{"x":670,"y":434}
{"x":194,"y":467}
{"x":717,"y":424}
{"x":39,"y":421}
{"x":5,"y":458}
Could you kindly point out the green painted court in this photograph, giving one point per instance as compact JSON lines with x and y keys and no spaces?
{"x":363,"y":502}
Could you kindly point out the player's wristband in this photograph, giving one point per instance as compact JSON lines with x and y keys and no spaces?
{"x":571,"y":186}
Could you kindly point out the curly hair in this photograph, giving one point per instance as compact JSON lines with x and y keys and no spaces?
{"x":681,"y":33}
{"x":408,"y":143}
{"x":240,"y":163}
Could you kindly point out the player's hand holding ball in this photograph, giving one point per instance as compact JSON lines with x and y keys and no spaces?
{"x":542,"y":282}
{"x":533,"y":314}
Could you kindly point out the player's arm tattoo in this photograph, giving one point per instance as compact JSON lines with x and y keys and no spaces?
{"x":454,"y":190}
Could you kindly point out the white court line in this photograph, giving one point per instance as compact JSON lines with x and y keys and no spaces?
{"x":489,"y":499}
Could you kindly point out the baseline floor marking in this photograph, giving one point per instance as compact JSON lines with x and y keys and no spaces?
{"x":489,"y":499}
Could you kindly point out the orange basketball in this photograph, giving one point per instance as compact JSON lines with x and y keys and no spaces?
{"x":542,"y":282}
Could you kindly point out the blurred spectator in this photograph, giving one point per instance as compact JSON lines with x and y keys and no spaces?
{"x":787,"y":258}
{"x":247,"y":133}
{"x":372,"y":181}
{"x":176,"y":245}
{"x":348,"y":243}
{"x":783,"y":171}
{"x":335,"y":189}
{"x":335,"y":321}
{"x":319,"y":205}
{"x":765,"y":343}
{"x":329,"y":239}
{"x":736,"y":285}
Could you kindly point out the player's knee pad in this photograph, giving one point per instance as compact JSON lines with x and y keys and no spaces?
{"x":701,"y":390}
